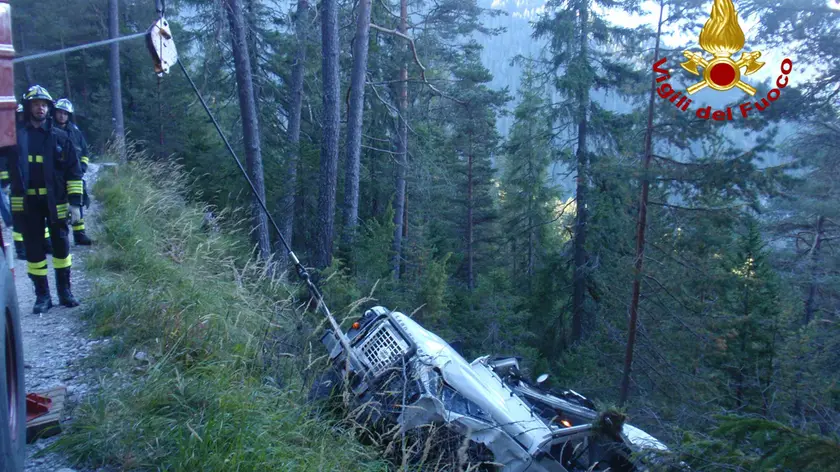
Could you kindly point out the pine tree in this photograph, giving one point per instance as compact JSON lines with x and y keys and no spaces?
{"x":527,"y":192}
{"x":329,"y":141}
{"x":808,"y":217}
{"x":474,"y":141}
{"x":748,"y":328}
{"x":805,"y":220}
{"x":402,"y":151}
{"x":250,"y":122}
{"x":358,"y":79}
{"x":289,"y":192}
{"x":582,"y":47}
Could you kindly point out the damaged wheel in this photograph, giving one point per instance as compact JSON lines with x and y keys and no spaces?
{"x":324,"y":386}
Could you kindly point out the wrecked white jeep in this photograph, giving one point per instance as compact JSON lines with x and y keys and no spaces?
{"x":402,"y":374}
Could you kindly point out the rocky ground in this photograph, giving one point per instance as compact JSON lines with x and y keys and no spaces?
{"x":56,"y":342}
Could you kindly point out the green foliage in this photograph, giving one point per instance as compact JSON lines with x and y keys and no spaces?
{"x":781,"y":446}
{"x":342,"y":291}
{"x":372,"y":250}
{"x":497,"y":322}
{"x":758,"y":444}
{"x":473,"y":140}
{"x":749,"y":326}
{"x":433,"y":294}
{"x":527,"y":198}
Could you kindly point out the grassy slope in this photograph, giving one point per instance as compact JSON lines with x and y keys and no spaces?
{"x":183,"y":294}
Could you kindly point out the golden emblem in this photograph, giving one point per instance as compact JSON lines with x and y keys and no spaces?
{"x":723,"y":37}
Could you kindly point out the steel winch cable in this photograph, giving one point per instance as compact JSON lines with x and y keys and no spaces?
{"x":300,"y":269}
{"x":104,"y":42}
{"x":160,"y":10}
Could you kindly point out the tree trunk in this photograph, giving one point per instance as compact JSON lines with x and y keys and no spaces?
{"x":641,"y":226}
{"x":405,"y":214}
{"x":288,"y":205}
{"x":116,"y":85}
{"x":250,"y":122}
{"x":470,"y":257}
{"x":579,"y":278}
{"x":739,"y":375}
{"x":513,"y":274}
{"x":354,"y":121}
{"x":815,"y":254}
{"x":250,"y":20}
{"x":329,"y":140}
{"x":402,"y":153}
{"x":532,"y":183}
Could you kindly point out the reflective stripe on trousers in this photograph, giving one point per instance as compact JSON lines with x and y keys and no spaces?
{"x":37,"y":268}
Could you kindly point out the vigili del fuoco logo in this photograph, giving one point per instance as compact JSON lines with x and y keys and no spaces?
{"x":722,"y":37}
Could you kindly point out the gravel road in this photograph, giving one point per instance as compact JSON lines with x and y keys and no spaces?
{"x":55,"y":343}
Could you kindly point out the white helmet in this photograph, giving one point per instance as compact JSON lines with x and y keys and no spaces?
{"x":64,"y":104}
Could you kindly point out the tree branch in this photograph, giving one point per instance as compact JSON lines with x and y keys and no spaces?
{"x":416,"y":60}
{"x":386,"y":151}
{"x":389,"y":106}
{"x":676,"y":162}
{"x":677,"y":207}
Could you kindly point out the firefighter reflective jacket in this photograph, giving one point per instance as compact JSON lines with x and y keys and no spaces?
{"x":79,"y":142}
{"x":62,"y":171}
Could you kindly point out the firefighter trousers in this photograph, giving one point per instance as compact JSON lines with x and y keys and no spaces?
{"x":18,"y":225}
{"x":34,"y":219}
{"x":80,"y":226}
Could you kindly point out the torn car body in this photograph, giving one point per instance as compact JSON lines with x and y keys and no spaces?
{"x":401,"y":373}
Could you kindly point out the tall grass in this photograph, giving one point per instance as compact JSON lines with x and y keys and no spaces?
{"x":206,"y":394}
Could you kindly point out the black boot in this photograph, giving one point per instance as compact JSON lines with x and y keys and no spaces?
{"x":47,"y":245}
{"x":81,"y":238}
{"x":43,"y":302}
{"x":65,"y":296}
{"x":20,"y":250}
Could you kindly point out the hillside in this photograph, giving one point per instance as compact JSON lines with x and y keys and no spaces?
{"x":206,"y":363}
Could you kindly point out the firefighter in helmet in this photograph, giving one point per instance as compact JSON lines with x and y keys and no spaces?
{"x":17,"y":231}
{"x":63,"y":115}
{"x":46,"y":185}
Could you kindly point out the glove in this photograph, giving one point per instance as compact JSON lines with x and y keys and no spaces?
{"x":7,"y":189}
{"x":75,"y":214}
